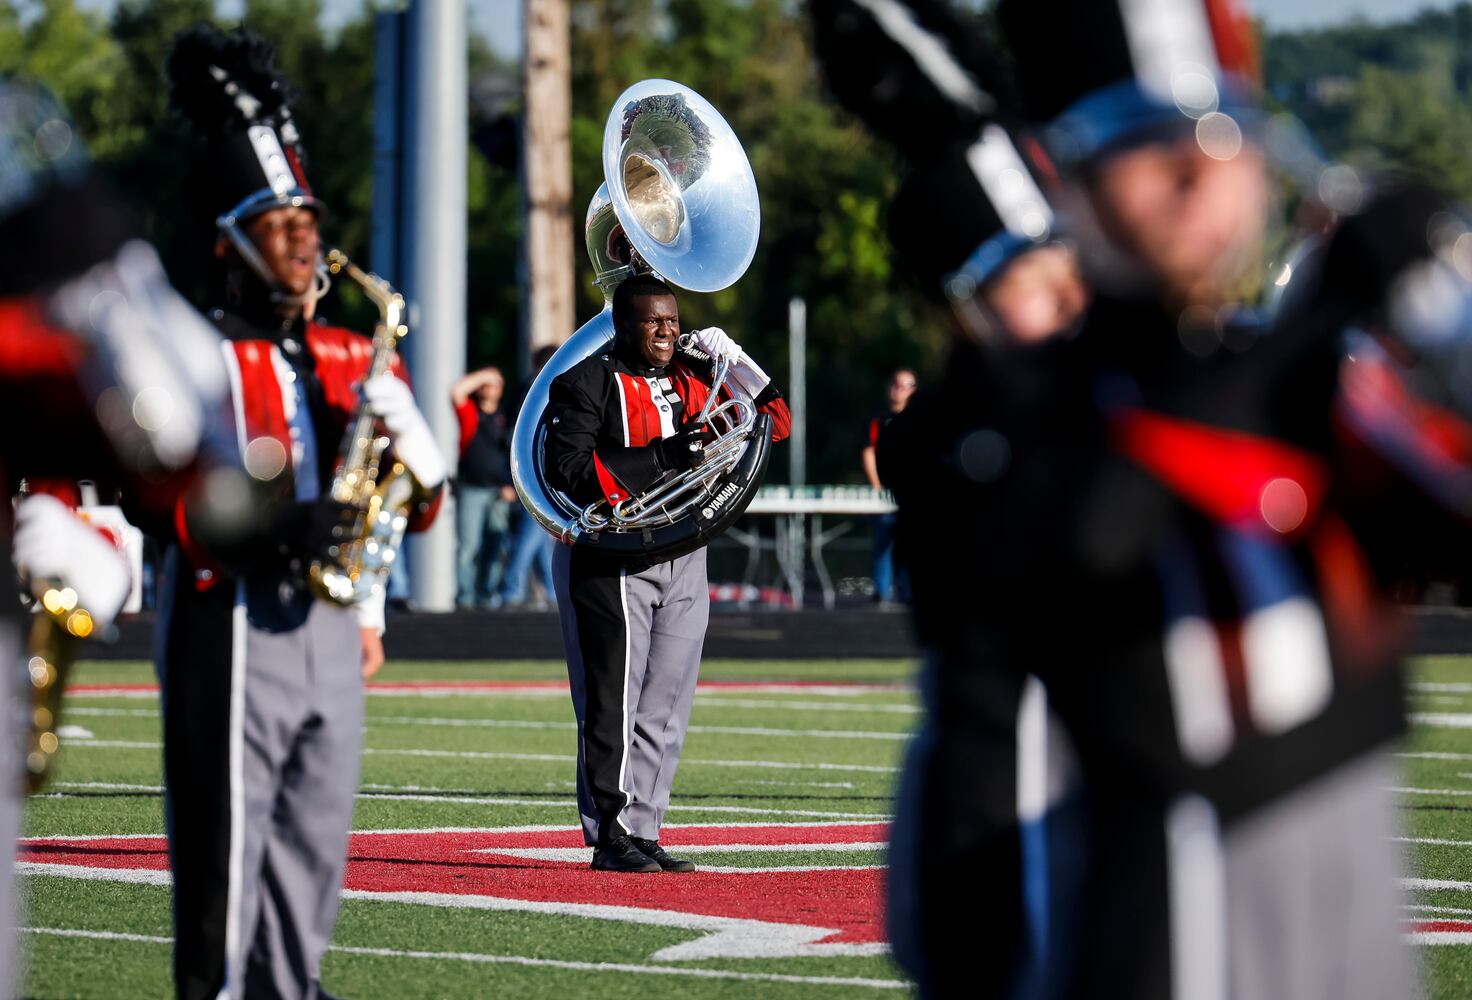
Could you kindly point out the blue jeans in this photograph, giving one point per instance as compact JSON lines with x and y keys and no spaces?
{"x":889,"y":584}
{"x":531,"y":545}
{"x":481,"y":519}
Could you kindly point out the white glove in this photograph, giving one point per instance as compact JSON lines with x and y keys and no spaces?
{"x":51,"y":542}
{"x":716,"y":342}
{"x":370,"y":610}
{"x":744,"y":374}
{"x":390,"y":399}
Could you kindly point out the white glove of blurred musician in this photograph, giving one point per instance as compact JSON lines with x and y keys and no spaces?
{"x":744,"y":373}
{"x":390,"y":399}
{"x":52,"y":543}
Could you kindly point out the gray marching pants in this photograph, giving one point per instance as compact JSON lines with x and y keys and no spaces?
{"x":15,"y":712}
{"x":1299,"y":899}
{"x":1313,"y":892}
{"x":303,"y":754}
{"x":633,"y":641}
{"x":263,"y":721}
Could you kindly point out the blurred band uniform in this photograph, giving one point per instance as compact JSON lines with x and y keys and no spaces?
{"x":986,"y":819}
{"x":263,"y":680}
{"x":70,"y":370}
{"x":1184,"y":520}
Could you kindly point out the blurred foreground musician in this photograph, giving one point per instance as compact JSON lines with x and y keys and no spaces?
{"x":262,"y":678}
{"x":105,"y":374}
{"x":988,"y":808}
{"x":1187,"y":522}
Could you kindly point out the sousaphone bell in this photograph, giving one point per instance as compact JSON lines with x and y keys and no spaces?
{"x":679,"y":201}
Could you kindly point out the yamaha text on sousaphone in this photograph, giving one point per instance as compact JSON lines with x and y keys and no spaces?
{"x":679,"y":201}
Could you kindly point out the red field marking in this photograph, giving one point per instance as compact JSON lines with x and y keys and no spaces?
{"x":1439,"y":926}
{"x":81,"y":689}
{"x":841,"y":907}
{"x":452,"y":687}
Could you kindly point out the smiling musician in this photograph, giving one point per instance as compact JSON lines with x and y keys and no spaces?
{"x":620,"y":422}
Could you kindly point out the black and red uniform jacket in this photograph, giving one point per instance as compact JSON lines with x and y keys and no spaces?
{"x":265,"y":360}
{"x":610,"y":407}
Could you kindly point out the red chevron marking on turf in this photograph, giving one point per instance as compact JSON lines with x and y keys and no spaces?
{"x":466,"y":862}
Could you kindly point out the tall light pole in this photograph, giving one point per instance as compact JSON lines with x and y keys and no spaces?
{"x":434,"y":157}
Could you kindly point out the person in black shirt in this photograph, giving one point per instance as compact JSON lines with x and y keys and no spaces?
{"x":887,"y":584}
{"x":483,"y":492}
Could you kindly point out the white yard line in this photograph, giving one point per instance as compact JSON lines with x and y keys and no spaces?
{"x":1450,"y":911}
{"x":114,"y":744}
{"x":1443,"y":720}
{"x":1431,"y":791}
{"x":491,"y":800}
{"x":843,"y":734}
{"x":1460,"y":687}
{"x":720,"y":701}
{"x":1427,"y":884}
{"x":1432,"y":840}
{"x":1435,"y":755}
{"x":540,"y":963}
{"x":782,"y":765}
{"x":415,"y":720}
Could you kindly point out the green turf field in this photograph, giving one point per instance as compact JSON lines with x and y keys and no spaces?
{"x":780,"y":792}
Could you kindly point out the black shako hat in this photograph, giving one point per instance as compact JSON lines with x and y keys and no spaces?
{"x":963,"y":214}
{"x":1095,"y":75}
{"x":228,"y":88}
{"x":918,"y":72}
{"x":57,"y":216}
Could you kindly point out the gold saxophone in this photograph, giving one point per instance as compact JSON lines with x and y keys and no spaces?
{"x":382,"y":496}
{"x":58,"y":629}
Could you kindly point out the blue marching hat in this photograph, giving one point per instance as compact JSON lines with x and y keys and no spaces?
{"x":1097,"y":75}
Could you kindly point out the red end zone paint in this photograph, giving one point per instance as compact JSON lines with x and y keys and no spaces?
{"x":1439,"y":926}
{"x":468,"y":686}
{"x":849,"y":902}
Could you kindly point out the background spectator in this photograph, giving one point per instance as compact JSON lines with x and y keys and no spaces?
{"x":531,"y":544}
{"x":483,"y":491}
{"x":889,"y":586}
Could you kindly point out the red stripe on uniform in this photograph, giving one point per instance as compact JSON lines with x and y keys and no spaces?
{"x":1224,"y":474}
{"x":612,"y":489}
{"x":260,"y":393}
{"x":638,"y":405}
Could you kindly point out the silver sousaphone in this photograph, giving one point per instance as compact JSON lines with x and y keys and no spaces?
{"x":679,"y":201}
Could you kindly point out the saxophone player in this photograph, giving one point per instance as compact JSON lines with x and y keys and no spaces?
{"x":263,"y":680}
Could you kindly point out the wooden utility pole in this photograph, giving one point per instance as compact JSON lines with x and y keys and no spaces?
{"x":547,"y":175}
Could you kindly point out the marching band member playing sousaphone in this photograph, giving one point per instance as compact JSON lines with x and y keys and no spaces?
{"x":636,"y":446}
{"x":264,"y":657}
{"x":634,"y":626}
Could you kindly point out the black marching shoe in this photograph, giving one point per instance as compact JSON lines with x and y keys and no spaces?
{"x":667,"y":862}
{"x":619,"y":854}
